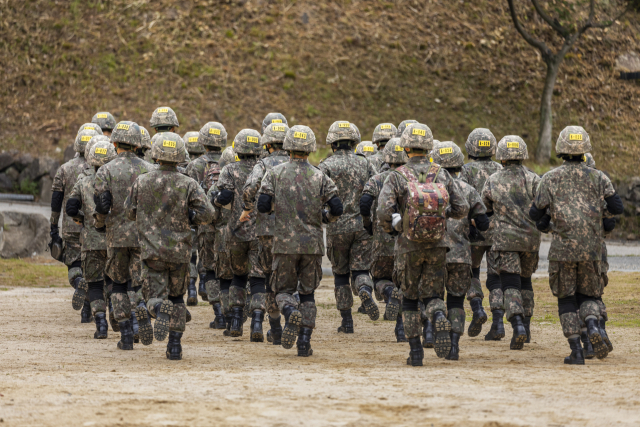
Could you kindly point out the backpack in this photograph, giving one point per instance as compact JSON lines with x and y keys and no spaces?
{"x":211,"y":175}
{"x":424,"y":216}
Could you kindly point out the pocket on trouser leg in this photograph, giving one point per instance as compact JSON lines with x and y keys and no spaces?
{"x":178,"y":318}
{"x":496,"y":299}
{"x":513,"y":303}
{"x":457,"y":317}
{"x":475,"y":290}
{"x":213,"y":290}
{"x":570,"y":324}
{"x":528,"y":302}
{"x":121,"y":306}
{"x":344,"y":298}
{"x":308,"y":311}
{"x":412,"y":323}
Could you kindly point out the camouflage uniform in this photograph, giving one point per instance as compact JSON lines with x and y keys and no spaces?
{"x":381,"y":135}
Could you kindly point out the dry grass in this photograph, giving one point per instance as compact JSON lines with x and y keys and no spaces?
{"x":40,"y":272}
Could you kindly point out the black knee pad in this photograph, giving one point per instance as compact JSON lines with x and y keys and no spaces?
{"x":307,"y":298}
{"x":426,"y":301}
{"x":75,"y":264}
{"x":493,"y":282}
{"x":194,"y":258}
{"x":225,"y":284}
{"x":209,"y":275}
{"x":119,"y":288}
{"x":257,"y":285}
{"x":410,"y":304}
{"x":581,"y":298}
{"x":341,"y":279}
{"x":510,"y":281}
{"x":455,"y":302}
{"x":476,"y":273}
{"x":176,"y":300}
{"x":356,"y":273}
{"x":567,"y":305}
{"x":95,"y":290}
{"x":525,"y":284}
{"x":239,"y":281}
{"x":107,"y":280}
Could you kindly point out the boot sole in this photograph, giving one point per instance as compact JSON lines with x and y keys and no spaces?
{"x":599,"y":347}
{"x":517,"y":342}
{"x":97,"y":336}
{"x":343,"y":330}
{"x":607,"y":341}
{"x":442,"y":339}
{"x":290,"y":331}
{"x":569,"y":362}
{"x":370,"y":305}
{"x":173,"y":357}
{"x":257,"y":337}
{"x":123,"y":347}
{"x":112,"y":321}
{"x":475,"y":327}
{"x":411,"y":363}
{"x":145,"y":330}
{"x":79,"y":295}
{"x":214,"y":325}
{"x":393,"y":305}
{"x":161,"y":327}
{"x":192,"y":302}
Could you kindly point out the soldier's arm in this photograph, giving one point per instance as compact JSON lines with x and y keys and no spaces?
{"x":267,"y":193}
{"x":217,"y":210}
{"x":389,"y":200}
{"x":614,"y":202}
{"x":225,"y":187}
{"x":331,"y":199}
{"x":542,"y":200}
{"x":74,"y":202}
{"x":57,"y":197}
{"x":325,"y":170}
{"x":458,"y":204}
{"x":199,"y":205}
{"x":131,"y":202}
{"x":252,"y":186}
{"x":371,"y":170}
{"x":192,"y":171}
{"x":465,"y":177}
{"x":102,"y":192}
{"x":368,"y":198}
{"x":487,"y":197}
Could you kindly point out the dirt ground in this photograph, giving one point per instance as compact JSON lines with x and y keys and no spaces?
{"x":55,"y":374}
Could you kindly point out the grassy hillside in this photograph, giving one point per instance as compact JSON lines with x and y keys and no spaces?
{"x":450,"y":64}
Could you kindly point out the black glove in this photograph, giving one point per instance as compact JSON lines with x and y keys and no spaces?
{"x":192,"y":216}
{"x":474,"y":235}
{"x":54,"y":233}
{"x":609,"y":224}
{"x":543,"y":225}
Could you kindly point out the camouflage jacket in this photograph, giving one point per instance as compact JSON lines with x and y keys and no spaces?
{"x":298,"y":191}
{"x":159,"y":203}
{"x":65,"y":179}
{"x":264,"y":222}
{"x":117,"y":177}
{"x":377,"y":160}
{"x":90,"y":239}
{"x":458,"y":229}
{"x":350,"y":173}
{"x":475,"y":174}
{"x":197,"y":170}
{"x":220,"y":221}
{"x":233,"y":178}
{"x":574,"y":194}
{"x":383,"y":243}
{"x":509,"y":194}
{"x":393,"y":199}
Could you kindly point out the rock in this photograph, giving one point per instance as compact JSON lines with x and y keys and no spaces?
{"x":24,"y":234}
{"x":69,"y":152}
{"x":6,"y":183}
{"x":44,"y":185}
{"x":12,"y":173}
{"x":628,"y":63}
{"x":6,"y":160}
{"x":39,"y":167}
{"x":22,"y":161}
{"x":631,"y":236}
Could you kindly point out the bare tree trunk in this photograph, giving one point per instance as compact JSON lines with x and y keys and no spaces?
{"x":543,"y":151}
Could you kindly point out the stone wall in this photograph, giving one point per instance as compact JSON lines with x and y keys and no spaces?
{"x":17,"y":168}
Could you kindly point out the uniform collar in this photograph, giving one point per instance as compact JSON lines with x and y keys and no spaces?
{"x":294,"y":160}
{"x":129,"y":154}
{"x":418,"y":160}
{"x":170,"y":168}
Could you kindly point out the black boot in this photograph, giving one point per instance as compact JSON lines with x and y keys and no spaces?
{"x":347,"y":322}
{"x":496,"y":333}
{"x":236,"y":322}
{"x":576,"y":357}
{"x":304,"y":342}
{"x":256,"y":326}
{"x":134,"y":326}
{"x":85,"y":314}
{"x":479,"y":318}
{"x":593,"y":330}
{"x":192,"y":295}
{"x":416,"y":354}
{"x":174,"y":348}
{"x":519,"y":333}
{"x":392,"y":296}
{"x":292,"y":321}
{"x":442,"y":329}
{"x":370,"y":306}
{"x":115,"y":327}
{"x":605,"y":336}
{"x":527,"y":327}
{"x":399,"y":331}
{"x":586,"y":346}
{"x":145,"y":329}
{"x":219,"y":321}
{"x":361,"y":309}
{"x":427,"y":334}
{"x":79,"y":296}
{"x":455,"y":347}
{"x":246,"y":311}
{"x":102,"y":327}
{"x":202,"y":289}
{"x":274,"y":335}
{"x":126,"y":336}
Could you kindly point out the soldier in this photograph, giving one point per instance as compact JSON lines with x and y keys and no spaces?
{"x":421,"y":247}
{"x":381,"y":135}
{"x":383,"y":243}
{"x":164,"y":226}
{"x":576,"y":196}
{"x":112,"y":183}
{"x":480,"y":147}
{"x":365,"y":149}
{"x":509,"y":193}
{"x":403,"y":125}
{"x":272,"y":138}
{"x":242,"y":244}
{"x":106,"y":122}
{"x":275,"y":118}
{"x":80,"y":206}
{"x":145,"y":143}
{"x":68,"y":249}
{"x":348,"y":244}
{"x":296,"y":192}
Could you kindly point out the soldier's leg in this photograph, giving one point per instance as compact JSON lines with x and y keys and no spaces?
{"x":382,"y":272}
{"x":496,"y":300}
{"x":432,"y":286}
{"x":285,"y":284}
{"x":360,"y":260}
{"x":73,"y":260}
{"x":93,"y":265}
{"x":156,"y":275}
{"x":239,"y":260}
{"x":192,"y":297}
{"x":118,"y":268}
{"x":309,"y":277}
{"x":562,"y":281}
{"x":589,"y":287}
{"x":338,"y":249}
{"x":265,"y":251}
{"x":528,"y":265}
{"x":458,"y":283}
{"x":257,"y":280}
{"x":508,"y":265}
{"x":178,"y":281}
{"x":225,"y":275}
{"x":475,"y":295}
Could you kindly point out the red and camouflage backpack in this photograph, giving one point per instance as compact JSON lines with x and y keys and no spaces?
{"x":424,"y":216}
{"x":211,"y":175}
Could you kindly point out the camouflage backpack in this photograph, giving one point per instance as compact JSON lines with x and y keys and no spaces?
{"x":211,"y":175}
{"x":424,"y":216}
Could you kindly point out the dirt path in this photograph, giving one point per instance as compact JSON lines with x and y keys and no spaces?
{"x":54,"y":373}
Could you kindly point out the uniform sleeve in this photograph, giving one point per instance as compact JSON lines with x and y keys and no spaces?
{"x":192,"y":171}
{"x":389,"y":200}
{"x":607,"y":186}
{"x":371,"y":170}
{"x":252,"y":186}
{"x":458,"y":204}
{"x":225,"y":182}
{"x":57,"y":197}
{"x":268,"y":184}
{"x":131,"y":202}
{"x":464,"y":176}
{"x":199,"y":203}
{"x":543,"y":195}
{"x":323,"y":167}
{"x":371,"y":188}
{"x":329,"y":189}
{"x":535,"y":182}
{"x":476,"y":207}
{"x":101,"y":183}
{"x":487,"y":197}
{"x":76,"y":191}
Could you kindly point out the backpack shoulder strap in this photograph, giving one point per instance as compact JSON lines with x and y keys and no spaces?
{"x":407,"y":174}
{"x":434,"y":170}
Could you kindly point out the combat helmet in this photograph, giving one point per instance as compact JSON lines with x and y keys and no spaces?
{"x":93,"y":141}
{"x":228,"y":156}
{"x":82,"y":138}
{"x":447,"y":154}
{"x":168,"y":148}
{"x":417,"y":136}
{"x":300,"y":138}
{"x":512,"y":147}
{"x":365,"y":149}
{"x":101,"y":153}
{"x":145,"y":138}
{"x":481,"y":143}
{"x":105,"y":120}
{"x":383,"y":133}
{"x":274,"y":133}
{"x":274,"y":118}
{"x":403,"y":125}
{"x":164,"y":117}
{"x":213,"y":134}
{"x":343,"y":131}
{"x":393,"y":152}
{"x":193,"y":145}
{"x":591,"y":162}
{"x":573,"y":140}
{"x":90,"y":126}
{"x":247,"y":141}
{"x":127,"y":133}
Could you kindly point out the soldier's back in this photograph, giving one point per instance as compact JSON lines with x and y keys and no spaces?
{"x":477,"y":172}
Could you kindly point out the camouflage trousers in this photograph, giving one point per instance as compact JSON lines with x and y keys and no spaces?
{"x":382,"y":273}
{"x":193,"y":263}
{"x":265,"y":253}
{"x":522,"y":263}
{"x":458,"y":279}
{"x":295,"y":272}
{"x":477,"y":253}
{"x":244,"y":259}
{"x":222,"y":266}
{"x":350,"y":252}
{"x":72,"y":254}
{"x":206,"y":250}
{"x":93,"y":264}
{"x":421,"y":274}
{"x":124,"y":265}
{"x":166,"y":280}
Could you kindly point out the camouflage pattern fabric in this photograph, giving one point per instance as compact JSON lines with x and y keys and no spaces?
{"x":223,"y":266}
{"x":163,"y":279}
{"x":574,"y":194}
{"x":198,"y":167}
{"x":232,"y":178}
{"x":159,"y":203}
{"x":206,"y":254}
{"x":475,"y":288}
{"x":193,"y":266}
{"x":299,"y":190}
{"x":265,"y":253}
{"x":344,"y":297}
{"x":383,"y":243}
{"x":393,"y":199}
{"x":457,"y":317}
{"x":237,"y":296}
{"x":272,"y":304}
{"x":476,"y":173}
{"x":64,"y":181}
{"x":121,"y":306}
{"x":509,"y":193}
{"x":117,"y":177}
{"x":309,"y":311}
{"x":213,"y":291}
{"x":376,"y":161}
{"x":412,"y":323}
{"x":90,"y":239}
{"x":258,"y":302}
{"x":522,"y":263}
{"x":570,"y":324}
{"x":72,"y":251}
{"x":603,"y":310}
{"x":93,"y":265}
{"x":528,"y":302}
{"x":513,"y":303}
{"x":458,"y":229}
{"x":477,"y":252}
{"x":382,"y":267}
{"x":244,"y":258}
{"x":458,"y":279}
{"x":568,"y":278}
{"x":421,"y":274}
{"x":427,"y":311}
{"x":349,"y":251}
{"x":302,"y":273}
{"x":350,"y":173}
{"x":124,"y":264}
{"x":496,"y":299}
{"x":264,"y":222}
